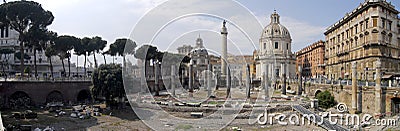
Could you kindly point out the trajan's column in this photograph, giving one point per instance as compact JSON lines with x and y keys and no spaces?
{"x":224,"y":34}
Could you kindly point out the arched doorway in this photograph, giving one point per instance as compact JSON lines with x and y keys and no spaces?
{"x":54,"y":96}
{"x":20,"y":100}
{"x":84,"y":96}
{"x":396,"y":105}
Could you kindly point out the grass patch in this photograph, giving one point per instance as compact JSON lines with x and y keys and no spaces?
{"x":184,"y":127}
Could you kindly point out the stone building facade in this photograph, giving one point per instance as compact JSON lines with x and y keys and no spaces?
{"x":311,"y":59}
{"x":369,"y":33}
{"x":274,"y":54}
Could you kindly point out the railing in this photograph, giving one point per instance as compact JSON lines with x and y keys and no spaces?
{"x":33,"y":79}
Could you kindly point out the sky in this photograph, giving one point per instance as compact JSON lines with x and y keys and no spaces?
{"x":306,"y":21}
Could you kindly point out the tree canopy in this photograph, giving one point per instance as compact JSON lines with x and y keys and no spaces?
{"x":107,"y":82}
{"x":22,"y":16}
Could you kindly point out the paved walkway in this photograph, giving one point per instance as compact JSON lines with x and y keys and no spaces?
{"x":326,"y":124}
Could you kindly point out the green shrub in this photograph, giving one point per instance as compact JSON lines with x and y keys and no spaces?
{"x":325,"y":100}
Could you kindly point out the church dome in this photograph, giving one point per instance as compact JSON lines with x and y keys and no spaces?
{"x":199,"y":50}
{"x":275,"y":29}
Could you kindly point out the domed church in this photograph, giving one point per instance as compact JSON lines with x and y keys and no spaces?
{"x":274,"y":54}
{"x":200,"y":58}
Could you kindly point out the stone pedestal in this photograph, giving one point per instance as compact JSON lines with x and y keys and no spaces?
{"x":314,"y":103}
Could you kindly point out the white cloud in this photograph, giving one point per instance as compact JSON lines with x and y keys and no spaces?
{"x":115,"y":19}
{"x":303,"y":33}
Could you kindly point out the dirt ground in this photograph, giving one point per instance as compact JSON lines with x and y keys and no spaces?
{"x":120,"y":120}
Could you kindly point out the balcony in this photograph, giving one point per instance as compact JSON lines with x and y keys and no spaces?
{"x":339,"y":54}
{"x":370,"y":44}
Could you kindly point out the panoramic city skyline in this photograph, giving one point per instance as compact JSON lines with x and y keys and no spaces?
{"x":89,"y":18}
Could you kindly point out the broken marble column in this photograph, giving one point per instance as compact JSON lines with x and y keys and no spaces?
{"x":354,"y":86}
{"x":209,"y":74}
{"x":228,"y":83}
{"x":248,"y":82}
{"x":173,"y":83}
{"x":190,"y":80}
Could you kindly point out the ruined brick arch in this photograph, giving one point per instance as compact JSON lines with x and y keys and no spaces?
{"x":317,"y":92}
{"x":54,"y":96}
{"x":84,"y":96}
{"x":20,"y":100}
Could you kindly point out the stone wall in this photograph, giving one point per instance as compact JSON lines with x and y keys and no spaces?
{"x":39,"y":90}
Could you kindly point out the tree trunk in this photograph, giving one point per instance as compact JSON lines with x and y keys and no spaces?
{"x":84,"y":66}
{"x":104,"y":57}
{"x":77,"y":65}
{"x":2,"y":66}
{"x":62,"y":61}
{"x":124,"y":63}
{"x":69,"y":66}
{"x":95,"y":61}
{"x":34,"y":62}
{"x":51,"y":68}
{"x":113,"y":57}
{"x":22,"y":60}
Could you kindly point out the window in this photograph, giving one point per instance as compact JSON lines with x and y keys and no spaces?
{"x":265,"y":45}
{"x":374,"y":22}
{"x":2,"y":32}
{"x":276,"y":45}
{"x":389,"y":25}
{"x":7,"y":31}
{"x":356,"y":27}
{"x":287,"y":46}
{"x":383,"y":23}
{"x":366,"y":23}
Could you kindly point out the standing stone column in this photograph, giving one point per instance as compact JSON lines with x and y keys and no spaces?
{"x":240,"y":80}
{"x":284,"y":84}
{"x":190,"y":80}
{"x":173,"y":83}
{"x":359,"y":101}
{"x":156,"y":81}
{"x":354,"y":86}
{"x":248,"y":83}
{"x":378,"y":89}
{"x":266,"y":84}
{"x":228,"y":83}
{"x":209,"y":73}
{"x":224,"y":34}
{"x":299,"y":90}
{"x":143,"y":80}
